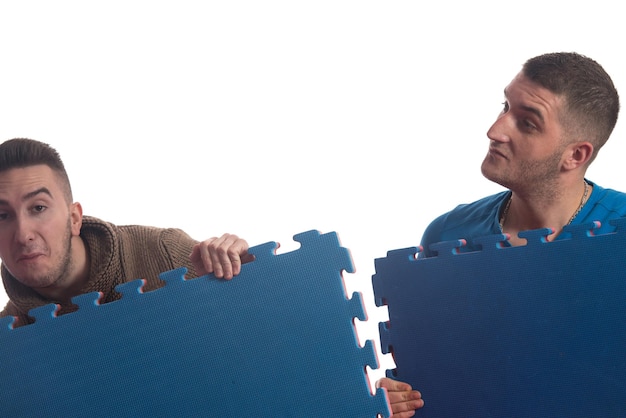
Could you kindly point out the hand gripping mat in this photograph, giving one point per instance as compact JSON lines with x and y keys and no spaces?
{"x":531,"y":331}
{"x":276,"y":341}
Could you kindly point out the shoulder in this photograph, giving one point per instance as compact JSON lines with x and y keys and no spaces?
{"x":603,"y":205}
{"x":469,"y":213}
{"x":142,"y":251}
{"x":135,"y":241}
{"x":93,"y":225}
{"x":466,"y":221}
{"x":609,"y":198}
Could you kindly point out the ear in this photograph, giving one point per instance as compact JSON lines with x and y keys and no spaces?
{"x":76,"y":218}
{"x":577,"y":155}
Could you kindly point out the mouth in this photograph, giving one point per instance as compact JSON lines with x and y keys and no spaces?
{"x":25,"y":258}
{"x":495,"y":152}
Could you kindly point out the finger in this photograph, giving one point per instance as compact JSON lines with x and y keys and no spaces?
{"x":215,"y":250}
{"x":407,"y":406}
{"x":226,"y":253}
{"x":403,"y":414}
{"x":403,"y":399}
{"x":201,"y":259}
{"x":237,"y":255}
{"x":393,"y":385}
{"x":404,"y":395}
{"x":227,"y":259}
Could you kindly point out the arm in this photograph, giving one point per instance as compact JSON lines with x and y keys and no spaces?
{"x":403,"y":399}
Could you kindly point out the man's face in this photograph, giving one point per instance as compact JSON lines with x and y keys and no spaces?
{"x":35,"y":226}
{"x":526,"y":147}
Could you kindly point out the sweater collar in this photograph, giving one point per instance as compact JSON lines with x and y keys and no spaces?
{"x":104,"y":273}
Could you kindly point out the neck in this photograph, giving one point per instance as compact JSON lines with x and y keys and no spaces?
{"x":533,"y":211}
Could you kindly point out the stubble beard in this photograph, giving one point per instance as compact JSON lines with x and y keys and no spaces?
{"x":62,"y":272}
{"x":537,"y":178}
{"x":59,"y":273}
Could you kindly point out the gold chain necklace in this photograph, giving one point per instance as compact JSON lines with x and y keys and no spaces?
{"x":583,"y":200}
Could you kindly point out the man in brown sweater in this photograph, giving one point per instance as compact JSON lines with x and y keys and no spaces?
{"x":51,"y":253}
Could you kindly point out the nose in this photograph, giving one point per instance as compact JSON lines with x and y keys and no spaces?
{"x":24,"y":231}
{"x":499,"y":130}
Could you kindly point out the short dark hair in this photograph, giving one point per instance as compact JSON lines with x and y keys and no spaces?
{"x":591,"y":99}
{"x":24,"y":152}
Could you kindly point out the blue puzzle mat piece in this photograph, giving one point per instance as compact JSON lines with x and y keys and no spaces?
{"x":531,"y":331}
{"x":276,"y":341}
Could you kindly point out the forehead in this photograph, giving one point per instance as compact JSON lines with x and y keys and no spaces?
{"x":528,"y":95}
{"x":18,"y":182}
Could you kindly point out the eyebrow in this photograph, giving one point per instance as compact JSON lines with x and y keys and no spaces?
{"x":530,"y":109}
{"x":34,"y":193}
{"x":30,"y":195}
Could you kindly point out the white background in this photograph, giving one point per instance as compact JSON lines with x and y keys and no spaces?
{"x":270,"y":118}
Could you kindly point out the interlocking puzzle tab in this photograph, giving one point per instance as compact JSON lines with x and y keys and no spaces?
{"x":276,"y":341}
{"x":530,"y":331}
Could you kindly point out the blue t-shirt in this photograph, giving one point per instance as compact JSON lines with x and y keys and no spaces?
{"x":481,"y":218}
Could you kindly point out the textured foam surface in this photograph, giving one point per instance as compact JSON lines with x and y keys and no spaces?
{"x":276,"y":341}
{"x":530,"y":331}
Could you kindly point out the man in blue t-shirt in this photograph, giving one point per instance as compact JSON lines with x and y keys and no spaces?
{"x":487,"y":216}
{"x":559,"y":110}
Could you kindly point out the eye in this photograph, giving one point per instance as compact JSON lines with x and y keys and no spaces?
{"x":505,"y":107}
{"x":39,"y":208}
{"x":529,"y":125}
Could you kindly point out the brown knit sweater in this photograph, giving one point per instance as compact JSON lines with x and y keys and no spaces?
{"x":117,"y":254}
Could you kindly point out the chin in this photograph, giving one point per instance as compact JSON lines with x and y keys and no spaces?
{"x":34,"y":281}
{"x":495,"y":178}
{"x":487,"y":172}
